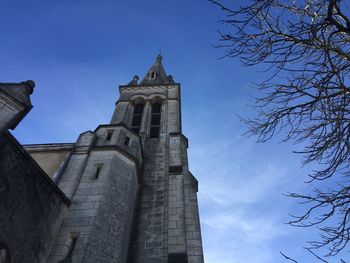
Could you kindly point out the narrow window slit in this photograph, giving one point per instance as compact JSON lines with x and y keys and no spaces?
{"x":155,"y":120}
{"x":4,"y":254}
{"x":73,"y":242}
{"x":137,"y":118}
{"x":98,"y":170}
{"x":109,"y":135}
{"x":127,"y":140}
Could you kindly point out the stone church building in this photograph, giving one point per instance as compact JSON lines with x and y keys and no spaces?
{"x":122,"y":193}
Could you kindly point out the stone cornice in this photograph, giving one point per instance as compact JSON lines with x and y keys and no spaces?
{"x":150,"y":86}
{"x":48,"y":146}
{"x":125,"y":126}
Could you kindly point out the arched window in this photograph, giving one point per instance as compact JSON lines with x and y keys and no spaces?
{"x":136,"y":121}
{"x":153,"y":74}
{"x":155,"y":120}
{"x":4,"y":254}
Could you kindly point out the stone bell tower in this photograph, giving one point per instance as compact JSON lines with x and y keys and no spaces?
{"x":122,"y":193}
{"x":165,"y":224}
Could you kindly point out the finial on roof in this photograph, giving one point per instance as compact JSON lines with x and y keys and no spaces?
{"x":134,"y":80}
{"x":29,"y":86}
{"x":170,"y":79}
{"x":159,"y":57}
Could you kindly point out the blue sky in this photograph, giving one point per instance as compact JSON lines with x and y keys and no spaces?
{"x":78,"y":52}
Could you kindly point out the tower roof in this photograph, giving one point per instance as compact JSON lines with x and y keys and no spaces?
{"x":156,"y":74}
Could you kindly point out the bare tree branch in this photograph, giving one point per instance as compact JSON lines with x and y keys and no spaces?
{"x":305,"y":45}
{"x":288,"y":258}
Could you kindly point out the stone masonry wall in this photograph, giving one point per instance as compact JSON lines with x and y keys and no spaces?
{"x":50,"y":157}
{"x":102,"y":180}
{"x":31,"y":205}
{"x":166,"y":223}
{"x":193,"y":231}
{"x":111,"y":228}
{"x":150,"y":231}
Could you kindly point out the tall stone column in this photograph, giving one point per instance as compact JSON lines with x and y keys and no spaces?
{"x":146,"y":118}
{"x":177,"y":249}
{"x":129,"y":113}
{"x":121,"y":112}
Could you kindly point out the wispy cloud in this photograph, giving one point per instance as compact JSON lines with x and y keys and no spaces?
{"x":241,"y":237}
{"x":241,"y":186}
{"x":246,"y":228}
{"x":237,"y":224}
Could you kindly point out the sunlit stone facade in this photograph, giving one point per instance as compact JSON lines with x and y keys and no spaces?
{"x":124,"y":191}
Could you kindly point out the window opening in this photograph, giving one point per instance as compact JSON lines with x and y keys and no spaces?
{"x":136,"y":121}
{"x":109,"y":135}
{"x":4,"y":254}
{"x":155,"y":120}
{"x":98,"y":170}
{"x":153,"y":74}
{"x":127,"y":140}
{"x":73,"y":242}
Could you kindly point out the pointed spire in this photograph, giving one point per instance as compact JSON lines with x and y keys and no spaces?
{"x":156,"y":74}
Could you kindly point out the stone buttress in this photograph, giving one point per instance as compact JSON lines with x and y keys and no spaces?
{"x":101,"y":179}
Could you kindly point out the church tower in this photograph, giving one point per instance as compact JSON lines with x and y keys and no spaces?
{"x":166,"y":220}
{"x":122,"y":193}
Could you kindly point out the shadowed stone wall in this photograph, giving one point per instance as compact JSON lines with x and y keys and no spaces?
{"x":166,"y":225}
{"x":31,"y":205}
{"x":150,"y":231}
{"x":101,"y":178}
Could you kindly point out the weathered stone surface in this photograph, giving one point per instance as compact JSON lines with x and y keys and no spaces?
{"x":102,"y":203}
{"x":132,"y":196}
{"x":14,"y":103}
{"x":31,"y":205}
{"x":149,"y":225}
{"x":160,"y":225}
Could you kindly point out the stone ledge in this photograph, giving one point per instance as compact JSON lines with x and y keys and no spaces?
{"x":48,"y":146}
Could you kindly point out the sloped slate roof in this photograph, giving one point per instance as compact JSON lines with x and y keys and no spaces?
{"x":156,"y":74}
